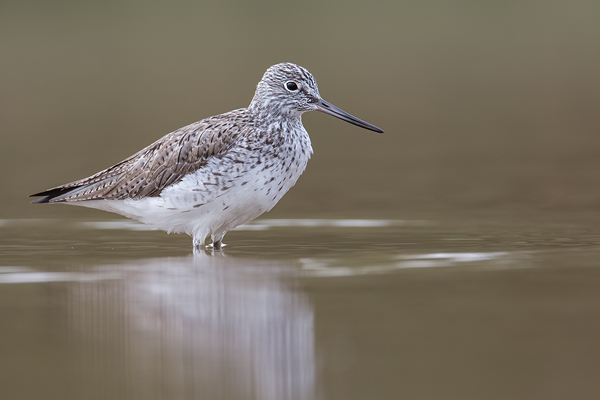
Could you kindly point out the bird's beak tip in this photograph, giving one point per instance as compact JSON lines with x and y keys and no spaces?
{"x":330,"y":109}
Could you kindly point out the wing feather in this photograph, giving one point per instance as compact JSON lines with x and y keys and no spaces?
{"x":165,"y":162}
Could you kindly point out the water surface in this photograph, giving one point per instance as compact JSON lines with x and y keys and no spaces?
{"x":302,"y":309}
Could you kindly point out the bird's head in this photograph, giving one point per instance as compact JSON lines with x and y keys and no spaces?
{"x":289,"y":89}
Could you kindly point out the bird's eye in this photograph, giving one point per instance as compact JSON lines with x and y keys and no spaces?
{"x":291,"y":86}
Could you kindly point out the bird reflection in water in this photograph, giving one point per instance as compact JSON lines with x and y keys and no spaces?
{"x":211,"y":326}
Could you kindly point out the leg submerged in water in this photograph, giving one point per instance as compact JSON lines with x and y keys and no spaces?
{"x":217,"y":243}
{"x":198,"y":244}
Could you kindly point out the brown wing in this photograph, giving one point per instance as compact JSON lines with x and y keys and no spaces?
{"x":166,"y":161}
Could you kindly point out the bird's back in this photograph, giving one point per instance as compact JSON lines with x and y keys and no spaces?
{"x":163,"y":163}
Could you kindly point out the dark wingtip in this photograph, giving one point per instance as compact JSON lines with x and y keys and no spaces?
{"x":44,"y":193}
{"x":49,"y":195}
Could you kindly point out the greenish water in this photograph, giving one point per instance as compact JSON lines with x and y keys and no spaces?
{"x":302,"y":309}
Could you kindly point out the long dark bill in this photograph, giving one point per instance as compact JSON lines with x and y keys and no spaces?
{"x":330,"y":109}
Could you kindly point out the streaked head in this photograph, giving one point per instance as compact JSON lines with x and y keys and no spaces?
{"x":288,"y":88}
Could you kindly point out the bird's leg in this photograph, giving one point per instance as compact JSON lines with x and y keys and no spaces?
{"x":198,"y":245}
{"x":217,"y":243}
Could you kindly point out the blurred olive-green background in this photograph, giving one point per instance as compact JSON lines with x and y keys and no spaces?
{"x":485,"y":105}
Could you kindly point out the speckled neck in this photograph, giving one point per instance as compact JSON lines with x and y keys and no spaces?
{"x":272,"y":119}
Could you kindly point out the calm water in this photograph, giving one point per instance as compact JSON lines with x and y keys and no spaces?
{"x":459,"y":308}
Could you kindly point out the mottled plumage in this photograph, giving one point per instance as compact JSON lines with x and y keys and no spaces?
{"x":217,"y":173}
